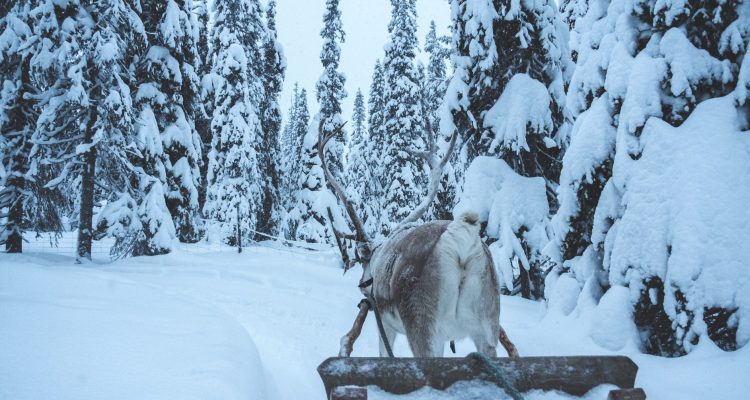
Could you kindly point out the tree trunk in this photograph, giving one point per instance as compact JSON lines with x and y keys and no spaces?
{"x":14,"y":241}
{"x":86,"y":215}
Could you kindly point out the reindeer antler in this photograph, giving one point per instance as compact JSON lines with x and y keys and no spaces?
{"x":361,"y":235}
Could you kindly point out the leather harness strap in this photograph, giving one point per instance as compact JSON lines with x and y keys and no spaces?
{"x":374,"y":307}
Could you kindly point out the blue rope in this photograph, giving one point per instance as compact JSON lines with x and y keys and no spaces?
{"x":492,"y":368}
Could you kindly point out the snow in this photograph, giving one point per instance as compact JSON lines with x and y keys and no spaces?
{"x":508,"y":202}
{"x":483,"y":390}
{"x":71,"y":333}
{"x":689,"y":65}
{"x":523,"y":105}
{"x":686,"y":218}
{"x":206,"y":322}
{"x":592,"y":142}
{"x":613,"y":326}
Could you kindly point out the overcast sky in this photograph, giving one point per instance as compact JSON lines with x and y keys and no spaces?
{"x":366,"y":26}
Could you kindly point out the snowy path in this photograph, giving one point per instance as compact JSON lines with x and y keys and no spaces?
{"x":183,"y":326}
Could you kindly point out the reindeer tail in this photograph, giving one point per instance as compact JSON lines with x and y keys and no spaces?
{"x":469,"y":217}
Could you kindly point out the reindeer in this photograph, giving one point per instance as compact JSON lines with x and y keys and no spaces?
{"x":433,"y":282}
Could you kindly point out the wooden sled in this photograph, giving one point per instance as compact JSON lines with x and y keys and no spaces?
{"x":347,"y":378}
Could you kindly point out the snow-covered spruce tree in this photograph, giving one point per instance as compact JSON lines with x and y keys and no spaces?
{"x":436,"y":82}
{"x":403,"y":177}
{"x":375,"y":146}
{"x":86,"y":116}
{"x":272,"y":72}
{"x":516,"y":118}
{"x":506,"y":98}
{"x":132,"y":167}
{"x":633,"y":221}
{"x":309,"y":219}
{"x":234,"y":180}
{"x":298,"y":130}
{"x":329,"y":89}
{"x":169,"y":87}
{"x":288,"y":153}
{"x":359,"y":177}
{"x":16,"y":123}
{"x":202,"y":116}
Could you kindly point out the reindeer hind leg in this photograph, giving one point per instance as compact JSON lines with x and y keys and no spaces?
{"x":483,"y":344}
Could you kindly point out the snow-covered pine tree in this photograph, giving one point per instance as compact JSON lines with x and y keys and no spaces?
{"x":330,"y":90}
{"x":16,"y":123}
{"x":309,"y":219}
{"x":436,"y":82}
{"x":506,"y":97}
{"x":644,"y":67}
{"x":403,"y":178}
{"x":200,"y":26}
{"x":376,"y":146}
{"x":86,"y":116}
{"x":202,"y":116}
{"x":288,"y":153}
{"x":272,"y":72}
{"x":298,"y":131}
{"x":358,"y":188}
{"x":516,"y":118}
{"x":132,"y":167}
{"x":169,"y":86}
{"x":136,"y":212}
{"x":234,"y":180}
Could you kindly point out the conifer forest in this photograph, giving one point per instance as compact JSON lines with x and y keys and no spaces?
{"x":183,"y":183}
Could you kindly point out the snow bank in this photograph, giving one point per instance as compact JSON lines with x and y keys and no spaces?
{"x":77,"y":333}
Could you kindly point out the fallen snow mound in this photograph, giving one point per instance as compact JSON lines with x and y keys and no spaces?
{"x":78,"y":333}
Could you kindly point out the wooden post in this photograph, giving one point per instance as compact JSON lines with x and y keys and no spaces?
{"x":239,"y":231}
{"x":347,"y":342}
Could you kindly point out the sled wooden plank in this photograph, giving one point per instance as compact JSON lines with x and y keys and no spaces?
{"x":573,"y":375}
{"x":627,"y":394}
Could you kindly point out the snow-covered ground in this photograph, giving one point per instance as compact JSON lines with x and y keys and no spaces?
{"x":208,"y":323}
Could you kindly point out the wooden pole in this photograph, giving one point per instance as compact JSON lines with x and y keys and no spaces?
{"x":573,"y":375}
{"x":507,"y":344}
{"x":347,"y":341}
{"x":239,"y":231}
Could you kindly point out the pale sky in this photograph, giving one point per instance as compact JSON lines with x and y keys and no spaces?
{"x":366,"y":25}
